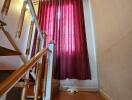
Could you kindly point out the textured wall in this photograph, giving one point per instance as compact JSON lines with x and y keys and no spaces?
{"x":113,"y":28}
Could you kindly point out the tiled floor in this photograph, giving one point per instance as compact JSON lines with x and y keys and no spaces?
{"x":79,"y":96}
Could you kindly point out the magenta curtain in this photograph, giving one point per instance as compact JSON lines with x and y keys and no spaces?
{"x":63,"y":21}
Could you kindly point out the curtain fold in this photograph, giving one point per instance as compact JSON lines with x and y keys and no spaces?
{"x":63,"y":22}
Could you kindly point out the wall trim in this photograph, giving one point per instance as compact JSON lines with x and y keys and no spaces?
{"x":105,"y":95}
{"x":65,"y":88}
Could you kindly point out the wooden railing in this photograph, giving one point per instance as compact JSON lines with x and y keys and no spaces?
{"x":41,"y":35}
{"x":10,"y":81}
{"x":18,"y":74}
{"x":29,"y":64}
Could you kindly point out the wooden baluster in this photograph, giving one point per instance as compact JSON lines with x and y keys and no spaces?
{"x":30,"y":37}
{"x":45,"y":78}
{"x":21,"y":20}
{"x":32,"y":10}
{"x":25,"y":87}
{"x":38,"y":81}
{"x":5,"y":8}
{"x":26,"y":81}
{"x":39,"y":71}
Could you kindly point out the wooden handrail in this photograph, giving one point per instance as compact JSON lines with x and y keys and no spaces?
{"x":10,"y":81}
{"x":32,"y":10}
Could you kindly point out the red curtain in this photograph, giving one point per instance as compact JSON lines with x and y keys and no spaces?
{"x":63,"y":22}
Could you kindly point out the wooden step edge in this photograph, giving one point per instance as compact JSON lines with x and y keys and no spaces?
{"x":8,"y":52}
{"x":32,"y":97}
{"x":21,"y":84}
{"x":2,"y":23}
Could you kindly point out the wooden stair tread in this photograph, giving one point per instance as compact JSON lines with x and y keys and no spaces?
{"x":8,"y":52}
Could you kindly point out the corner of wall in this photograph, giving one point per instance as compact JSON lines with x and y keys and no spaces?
{"x":105,"y":95}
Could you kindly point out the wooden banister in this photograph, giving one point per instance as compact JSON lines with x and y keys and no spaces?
{"x":10,"y":81}
{"x":32,"y":10}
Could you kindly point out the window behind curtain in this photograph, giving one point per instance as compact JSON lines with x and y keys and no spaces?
{"x":63,"y":22}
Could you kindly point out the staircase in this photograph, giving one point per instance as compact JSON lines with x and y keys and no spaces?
{"x":15,"y":93}
{"x":34,"y":79}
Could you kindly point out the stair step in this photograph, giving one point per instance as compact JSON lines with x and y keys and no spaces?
{"x":14,"y":93}
{"x":21,"y":84}
{"x":8,"y":52}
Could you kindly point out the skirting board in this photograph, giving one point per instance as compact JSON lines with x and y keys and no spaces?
{"x":105,"y":95}
{"x":65,"y":88}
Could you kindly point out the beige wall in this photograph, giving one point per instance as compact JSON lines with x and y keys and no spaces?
{"x":113,"y":30}
{"x":7,"y":63}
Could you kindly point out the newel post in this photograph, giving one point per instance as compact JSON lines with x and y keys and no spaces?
{"x":3,"y":97}
{"x":50,"y":56}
